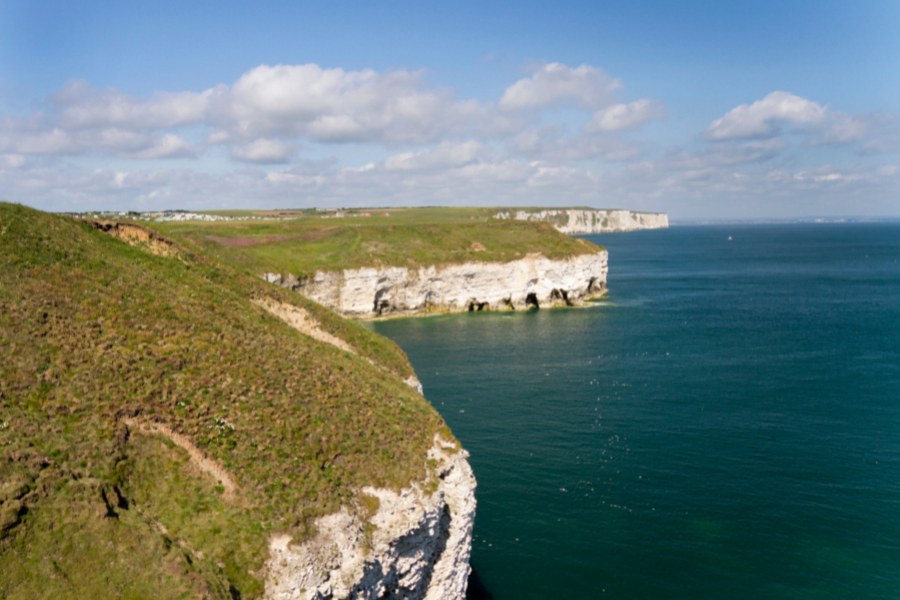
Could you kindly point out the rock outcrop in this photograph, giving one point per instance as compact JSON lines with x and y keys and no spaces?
{"x":574,"y":221}
{"x":414,"y":546}
{"x":533,"y":281}
{"x":140,"y":236}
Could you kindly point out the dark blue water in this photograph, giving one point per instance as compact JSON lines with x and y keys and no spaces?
{"x":724,"y":424}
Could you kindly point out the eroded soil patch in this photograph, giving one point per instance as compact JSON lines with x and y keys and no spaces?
{"x":137,"y":235}
{"x":198,"y":459}
{"x":302,"y":321}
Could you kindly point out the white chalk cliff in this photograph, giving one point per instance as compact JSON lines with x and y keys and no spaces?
{"x":533,"y":281}
{"x":575,"y":221}
{"x":416,"y":546}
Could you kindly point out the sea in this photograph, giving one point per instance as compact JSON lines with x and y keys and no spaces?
{"x":723,"y":424}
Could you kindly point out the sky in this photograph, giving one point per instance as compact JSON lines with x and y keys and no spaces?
{"x":703,"y":110}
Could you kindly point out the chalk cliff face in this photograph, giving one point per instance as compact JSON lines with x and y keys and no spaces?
{"x":533,"y":281}
{"x":580,"y":221}
{"x":415,"y":547}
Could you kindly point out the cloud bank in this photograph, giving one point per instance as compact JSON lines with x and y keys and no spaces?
{"x":292,"y":135}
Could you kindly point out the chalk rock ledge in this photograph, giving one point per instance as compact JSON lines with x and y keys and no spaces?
{"x":530,"y":282}
{"x":576,"y":221}
{"x":416,"y":546}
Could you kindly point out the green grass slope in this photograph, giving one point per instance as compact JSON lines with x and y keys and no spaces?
{"x":410,"y":238}
{"x":93,"y":331}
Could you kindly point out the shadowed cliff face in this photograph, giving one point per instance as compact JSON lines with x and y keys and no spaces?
{"x":476,"y":589}
{"x":531,"y":282}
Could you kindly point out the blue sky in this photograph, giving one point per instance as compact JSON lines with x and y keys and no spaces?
{"x":703,"y":110}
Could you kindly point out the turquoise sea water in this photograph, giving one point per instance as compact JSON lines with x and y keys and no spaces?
{"x":724,"y":424}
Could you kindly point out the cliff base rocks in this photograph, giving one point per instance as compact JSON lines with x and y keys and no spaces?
{"x":414,"y":545}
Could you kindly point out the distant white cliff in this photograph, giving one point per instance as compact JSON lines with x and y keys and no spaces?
{"x":533,"y":281}
{"x":575,"y":221}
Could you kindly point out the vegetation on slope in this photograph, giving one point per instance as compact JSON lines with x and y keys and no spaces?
{"x":410,"y":238}
{"x":95,"y":332}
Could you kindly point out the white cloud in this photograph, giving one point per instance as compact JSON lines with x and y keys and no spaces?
{"x":113,"y":139}
{"x":621,"y":117}
{"x":407,"y":141}
{"x":554,"y":84}
{"x":545,"y":176}
{"x":218,"y":136}
{"x":263,"y":151}
{"x":262,"y":115}
{"x":53,"y":142}
{"x":820,"y":125}
{"x":120,"y":142}
{"x":727,"y":154}
{"x":827,"y":175}
{"x":549,"y":144}
{"x":763,"y":118}
{"x":885,"y":144}
{"x":84,"y":107}
{"x":333,"y":105}
{"x":461,"y":175}
{"x":845,"y":129}
{"x":169,"y":145}
{"x":12,"y":161}
{"x":879,"y":131}
{"x":442,"y":156}
{"x":531,"y":142}
{"x":266,"y":103}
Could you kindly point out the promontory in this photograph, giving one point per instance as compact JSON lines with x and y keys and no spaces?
{"x":174,"y":425}
{"x":367,"y":264}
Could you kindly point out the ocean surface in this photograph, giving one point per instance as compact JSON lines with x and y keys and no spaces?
{"x":724,"y":424}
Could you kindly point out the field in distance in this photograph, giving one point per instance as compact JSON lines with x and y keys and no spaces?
{"x":370,"y":238}
{"x":403,"y":215}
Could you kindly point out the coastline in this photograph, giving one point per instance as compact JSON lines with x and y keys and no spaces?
{"x":530,"y":282}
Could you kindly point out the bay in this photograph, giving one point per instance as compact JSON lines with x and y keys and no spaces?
{"x":724,"y":423}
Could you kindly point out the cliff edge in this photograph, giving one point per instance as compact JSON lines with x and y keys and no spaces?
{"x":530,"y":282}
{"x":419,"y":261}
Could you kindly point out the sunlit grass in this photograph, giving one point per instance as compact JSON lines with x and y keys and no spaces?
{"x":92,"y":329}
{"x":406,"y":238}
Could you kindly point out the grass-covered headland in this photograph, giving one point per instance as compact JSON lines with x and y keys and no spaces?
{"x":415,"y":237}
{"x":97,"y":335}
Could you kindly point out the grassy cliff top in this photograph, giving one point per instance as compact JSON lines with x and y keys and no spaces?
{"x":416,"y":215}
{"x":411,"y":238}
{"x":101,"y":340}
